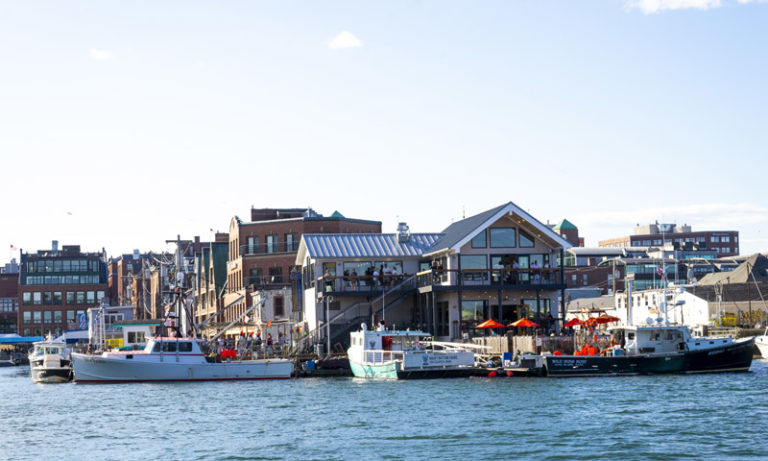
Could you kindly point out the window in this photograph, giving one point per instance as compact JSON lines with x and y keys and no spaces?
{"x":253,"y":245}
{"x":474,"y":311}
{"x":99,"y":296}
{"x":186,"y":346}
{"x":91,"y":297}
{"x":57,"y":317}
{"x":27,"y":317}
{"x":80,"y":297}
{"x":37,"y":298}
{"x":526,"y":241}
{"x":725,"y":238}
{"x":169,"y":347}
{"x":585,"y":279}
{"x":136,"y":337}
{"x":503,"y":237}
{"x":37,"y":317}
{"x":47,"y":316}
{"x":278,"y":306}
{"x":291,"y":242}
{"x":70,"y":297}
{"x":275,"y":275}
{"x":57,"y":298}
{"x":480,"y":240}
{"x":715,"y":238}
{"x":47,"y":298}
{"x":70,"y":316}
{"x":272,"y":244}
{"x":26,"y":298}
{"x":574,"y":279}
{"x":256,"y":276}
{"x":474,"y":267}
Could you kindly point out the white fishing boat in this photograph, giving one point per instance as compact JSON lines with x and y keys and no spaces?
{"x":174,"y":359}
{"x":404,"y":354}
{"x":50,"y":361}
{"x":762,"y":343}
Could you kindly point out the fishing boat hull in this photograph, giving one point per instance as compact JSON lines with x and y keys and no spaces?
{"x":395,"y":370}
{"x":99,"y":369}
{"x":45,"y":375}
{"x":736,"y":356}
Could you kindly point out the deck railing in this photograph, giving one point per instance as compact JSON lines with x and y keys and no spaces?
{"x":500,"y":277}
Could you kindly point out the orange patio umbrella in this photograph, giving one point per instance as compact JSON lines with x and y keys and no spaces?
{"x":523,"y":323}
{"x":605,"y":318}
{"x":490,"y":324}
{"x":572,"y":323}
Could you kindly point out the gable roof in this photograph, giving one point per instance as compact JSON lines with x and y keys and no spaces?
{"x":328,"y":246}
{"x":564,"y":224}
{"x":754,"y":268}
{"x":458,"y":233}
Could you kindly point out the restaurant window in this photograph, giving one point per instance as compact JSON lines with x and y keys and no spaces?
{"x":503,"y":237}
{"x":480,"y":240}
{"x":474,"y":267}
{"x":474,"y":311}
{"x":526,"y":241}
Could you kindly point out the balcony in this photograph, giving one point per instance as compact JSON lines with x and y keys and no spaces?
{"x":510,"y":279}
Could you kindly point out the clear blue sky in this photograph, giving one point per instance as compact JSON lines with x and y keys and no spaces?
{"x":123,"y":124}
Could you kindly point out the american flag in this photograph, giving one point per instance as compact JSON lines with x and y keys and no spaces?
{"x":661,"y":273}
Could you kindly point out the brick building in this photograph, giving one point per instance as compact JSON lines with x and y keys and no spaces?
{"x":262,"y":253}
{"x":9,"y":302}
{"x":723,"y":243}
{"x":56,"y":285}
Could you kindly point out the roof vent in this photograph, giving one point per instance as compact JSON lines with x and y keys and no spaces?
{"x":403,"y":233}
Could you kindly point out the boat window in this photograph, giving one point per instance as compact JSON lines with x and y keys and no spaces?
{"x":185,"y":347}
{"x":157,"y":347}
{"x":631,"y":335}
{"x":169,"y":347}
{"x":670,"y":335}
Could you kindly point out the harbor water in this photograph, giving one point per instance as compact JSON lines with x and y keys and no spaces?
{"x":711,"y":416}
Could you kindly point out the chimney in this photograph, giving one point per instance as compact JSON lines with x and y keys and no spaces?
{"x":403,"y":233}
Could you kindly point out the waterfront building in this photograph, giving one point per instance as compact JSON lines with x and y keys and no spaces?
{"x":211,"y":276}
{"x":682,"y":238}
{"x":57,"y":286}
{"x":9,"y":302}
{"x":128,"y":281}
{"x":501,"y":264}
{"x":262,"y":254}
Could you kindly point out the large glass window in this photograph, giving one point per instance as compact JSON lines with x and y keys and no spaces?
{"x":480,"y":240}
{"x":474,"y":311}
{"x":474,"y":267}
{"x":526,"y":241}
{"x":503,"y":237}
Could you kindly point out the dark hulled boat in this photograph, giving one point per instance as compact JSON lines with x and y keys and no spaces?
{"x":653,"y":350}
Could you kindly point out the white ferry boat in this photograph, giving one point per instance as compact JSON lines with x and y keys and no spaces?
{"x":50,"y":362}
{"x":173,"y":359}
{"x":402,"y":354}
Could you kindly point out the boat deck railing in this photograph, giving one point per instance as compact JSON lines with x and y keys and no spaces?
{"x":381,"y":356}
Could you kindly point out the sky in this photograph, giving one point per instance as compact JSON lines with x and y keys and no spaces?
{"x":125,"y":124}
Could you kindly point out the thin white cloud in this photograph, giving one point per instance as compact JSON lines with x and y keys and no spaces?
{"x":344,"y":40}
{"x":657,"y":6}
{"x":100,"y":55}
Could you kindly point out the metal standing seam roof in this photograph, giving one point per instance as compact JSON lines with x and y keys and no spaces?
{"x":324,"y":246}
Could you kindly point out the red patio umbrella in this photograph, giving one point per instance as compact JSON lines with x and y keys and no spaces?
{"x":605,"y":318}
{"x":572,"y":323}
{"x":490,"y":324}
{"x":523,"y":323}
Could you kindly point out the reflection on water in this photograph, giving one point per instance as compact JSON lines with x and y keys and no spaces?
{"x":718,"y":416}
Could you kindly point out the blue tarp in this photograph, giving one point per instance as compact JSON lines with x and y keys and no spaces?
{"x":16,"y":339}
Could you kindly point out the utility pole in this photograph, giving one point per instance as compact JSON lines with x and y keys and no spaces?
{"x":182,"y":319}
